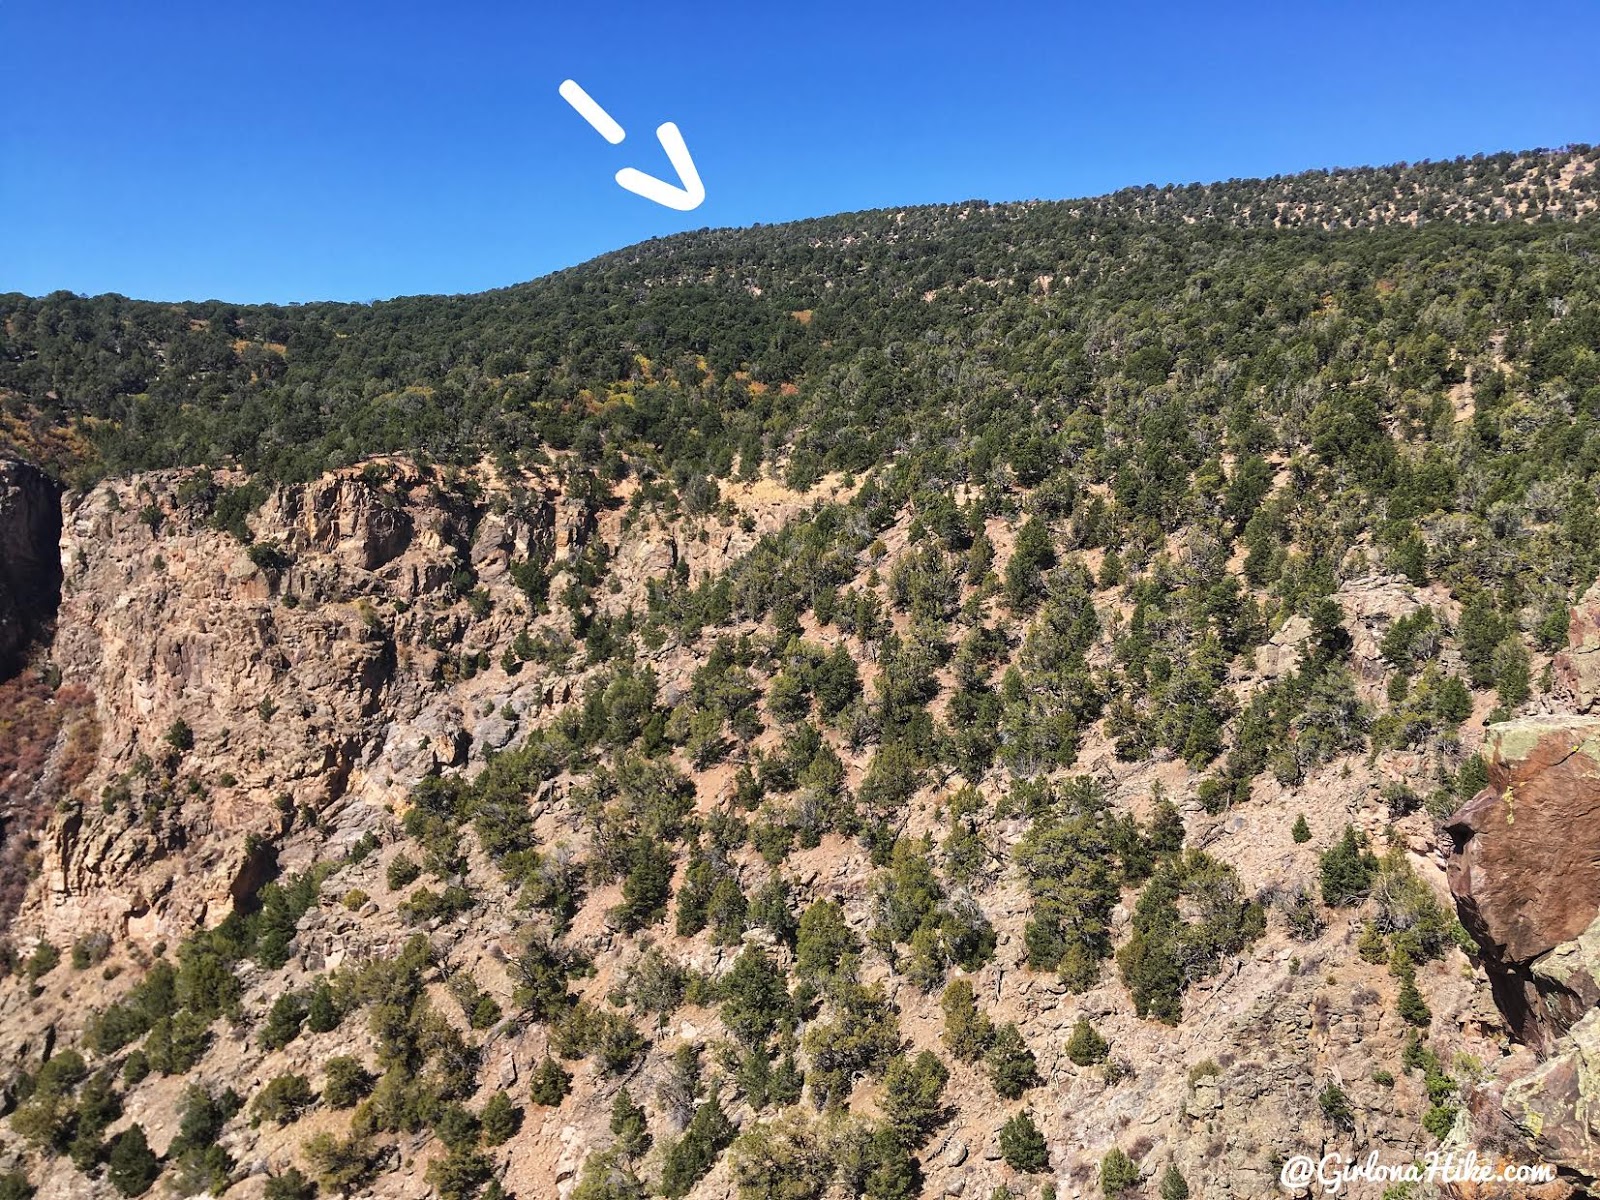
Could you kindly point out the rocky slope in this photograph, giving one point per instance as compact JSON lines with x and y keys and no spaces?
{"x":262,"y":708}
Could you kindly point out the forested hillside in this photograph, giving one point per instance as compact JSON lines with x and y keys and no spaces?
{"x":1025,"y":329}
{"x":962,"y":700}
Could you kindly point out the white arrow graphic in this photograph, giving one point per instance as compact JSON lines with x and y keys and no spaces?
{"x":689,"y":193}
{"x":681,"y":198}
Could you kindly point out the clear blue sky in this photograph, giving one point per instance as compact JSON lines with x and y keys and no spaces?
{"x":346,"y":149}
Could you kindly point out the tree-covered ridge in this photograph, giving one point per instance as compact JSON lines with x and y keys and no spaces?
{"x":840,"y":342}
{"x":1547,"y":184}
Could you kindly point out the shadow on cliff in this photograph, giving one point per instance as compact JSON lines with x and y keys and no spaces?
{"x":30,"y":561}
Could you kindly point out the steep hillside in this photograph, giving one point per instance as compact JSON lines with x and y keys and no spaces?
{"x":964,"y":701}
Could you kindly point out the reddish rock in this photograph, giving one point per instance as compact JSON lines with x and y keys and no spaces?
{"x":1525,"y":861}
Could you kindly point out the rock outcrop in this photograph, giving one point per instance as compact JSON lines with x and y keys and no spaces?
{"x":1556,"y":1105}
{"x":330,"y":664}
{"x":1576,"y":670}
{"x":1525,"y":871}
{"x":30,"y":563}
{"x":1525,"y":864}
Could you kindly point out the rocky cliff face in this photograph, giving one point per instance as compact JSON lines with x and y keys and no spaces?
{"x":328,"y":665}
{"x":1577,"y":668}
{"x":30,"y":564}
{"x":1525,"y":867}
{"x":357,"y":645}
{"x":1525,"y":871}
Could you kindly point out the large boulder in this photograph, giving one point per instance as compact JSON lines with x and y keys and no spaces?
{"x":1525,"y":861}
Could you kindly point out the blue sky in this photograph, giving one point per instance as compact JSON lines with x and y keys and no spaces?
{"x":352,"y":150}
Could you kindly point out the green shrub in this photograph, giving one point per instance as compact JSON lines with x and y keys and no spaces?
{"x":269,"y":557}
{"x":135,"y":1068}
{"x":1336,"y":1107}
{"x":322,"y":1010}
{"x":1023,"y":1146}
{"x":202,"y":1171}
{"x":1300,"y":912}
{"x":628,"y":1126}
{"x":550,"y":1083}
{"x":340,"y":1165}
{"x":646,"y":886}
{"x":1440,"y":1119}
{"x":789,"y":1157}
{"x":131,"y":1166}
{"x":912,"y":1097}
{"x":284,"y":1018}
{"x":1406,"y":909}
{"x":606,"y":1177}
{"x":1472,"y":778}
{"x":401,"y":872}
{"x":346,"y":1082}
{"x":1347,"y":869}
{"x":687,"y":1160}
{"x":61,"y":1074}
{"x":282,"y":1100}
{"x":201,"y":1118}
{"x":501,"y":1118}
{"x":425,"y":904}
{"x":967,"y":1031}
{"x":90,"y":950}
{"x":290,"y":1185}
{"x":826,"y":944}
{"x":860,"y":1037}
{"x":1412,"y":1007}
{"x":1012,"y":1068}
{"x":1118,"y":1173}
{"x":46,"y":1122}
{"x":756,"y":998}
{"x":461,"y":1174}
{"x":97,"y":1107}
{"x":456,"y":1126}
{"x":1067,"y":859}
{"x":1086,"y":1047}
{"x":1371,"y":945}
{"x":175,"y":1044}
{"x":1167,"y":952}
{"x":44,"y":959}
